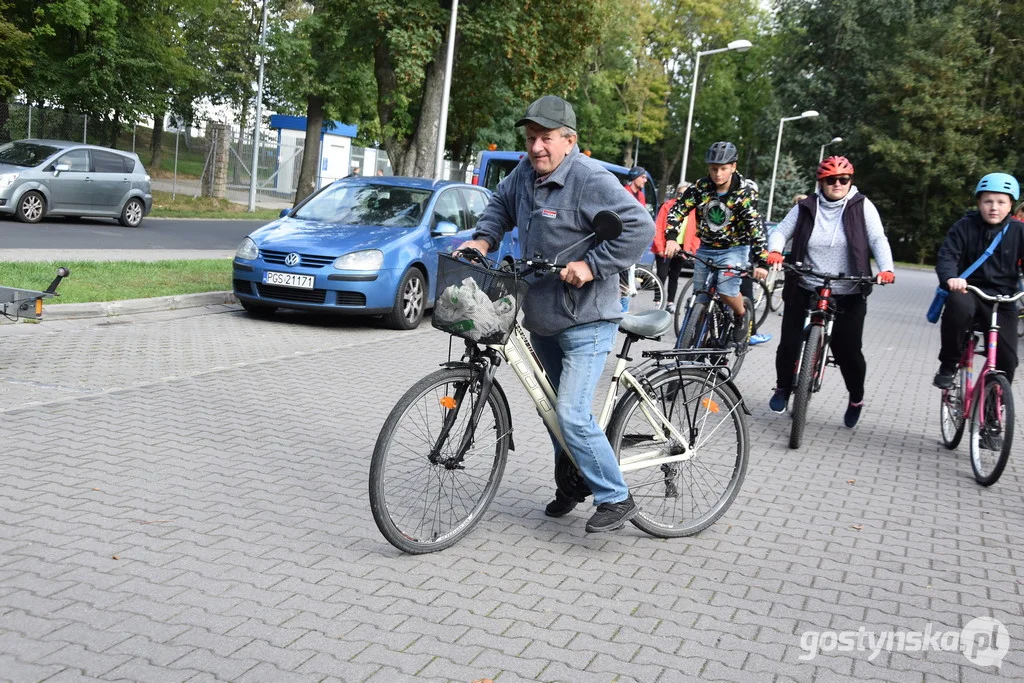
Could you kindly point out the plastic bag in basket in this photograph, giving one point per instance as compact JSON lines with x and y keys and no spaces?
{"x":464,"y":309}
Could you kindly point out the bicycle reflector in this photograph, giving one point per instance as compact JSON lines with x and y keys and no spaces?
{"x":448,"y":402}
{"x":710,"y":404}
{"x":823,"y":299}
{"x":39,"y":306}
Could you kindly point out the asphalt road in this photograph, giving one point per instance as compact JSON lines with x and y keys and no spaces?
{"x":99,"y":233}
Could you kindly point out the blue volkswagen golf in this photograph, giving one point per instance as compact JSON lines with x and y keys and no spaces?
{"x":361,"y":246}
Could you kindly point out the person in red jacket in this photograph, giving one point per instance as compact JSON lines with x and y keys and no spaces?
{"x":668,"y":268}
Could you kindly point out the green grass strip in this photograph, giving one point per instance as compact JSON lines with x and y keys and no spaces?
{"x":117,"y":280}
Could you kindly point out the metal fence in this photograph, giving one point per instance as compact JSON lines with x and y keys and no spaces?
{"x":192,"y":159}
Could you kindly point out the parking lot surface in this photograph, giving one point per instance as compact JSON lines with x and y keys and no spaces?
{"x":184,"y":498}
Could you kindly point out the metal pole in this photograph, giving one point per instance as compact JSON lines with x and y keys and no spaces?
{"x":85,"y":127}
{"x":775,"y":170}
{"x":177,"y":137}
{"x":134,"y":126}
{"x":259,"y":112}
{"x":689,"y":121}
{"x":442,"y":128}
{"x":29,"y":121}
{"x":821,"y":154}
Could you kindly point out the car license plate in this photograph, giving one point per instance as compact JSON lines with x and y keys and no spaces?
{"x":288,"y":280}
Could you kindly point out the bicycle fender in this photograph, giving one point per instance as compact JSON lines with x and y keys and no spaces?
{"x":495,"y":386}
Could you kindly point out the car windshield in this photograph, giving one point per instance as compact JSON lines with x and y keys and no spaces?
{"x":349,"y":203}
{"x":25,"y":153}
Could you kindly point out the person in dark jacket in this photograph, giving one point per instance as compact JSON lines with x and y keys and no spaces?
{"x":836,"y":230}
{"x":553,"y":196}
{"x":965,"y":242}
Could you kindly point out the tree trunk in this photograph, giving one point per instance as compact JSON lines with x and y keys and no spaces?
{"x":114,"y":129}
{"x":5,"y":117}
{"x":423,"y":146}
{"x":156,"y":142}
{"x":311,"y":148}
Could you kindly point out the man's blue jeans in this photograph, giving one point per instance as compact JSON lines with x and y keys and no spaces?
{"x":574,"y":360}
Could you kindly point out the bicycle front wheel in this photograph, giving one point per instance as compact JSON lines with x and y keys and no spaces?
{"x":991,"y":432}
{"x":424,"y":494}
{"x":813,"y":348}
{"x":951,"y":412}
{"x":776,"y":291}
{"x":678,"y":318}
{"x":650,"y":291}
{"x":684,"y":497}
{"x":695,"y":329}
{"x":762,"y":304}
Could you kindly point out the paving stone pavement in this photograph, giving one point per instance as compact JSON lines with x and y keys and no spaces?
{"x":184,"y":498}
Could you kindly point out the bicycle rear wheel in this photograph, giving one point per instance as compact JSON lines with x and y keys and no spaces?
{"x":991,"y":433}
{"x":951,"y":412}
{"x":650,"y":291}
{"x":696,"y":327}
{"x":424,"y":496}
{"x":684,"y":497}
{"x":804,"y":381}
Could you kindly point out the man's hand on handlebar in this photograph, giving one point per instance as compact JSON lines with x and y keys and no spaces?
{"x":957,"y":284}
{"x":576,"y":273}
{"x":671,"y":248}
{"x":760,"y":273}
{"x":480,"y":245}
{"x":886,"y":277}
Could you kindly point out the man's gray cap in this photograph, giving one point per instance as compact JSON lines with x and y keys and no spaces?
{"x":549,"y":111}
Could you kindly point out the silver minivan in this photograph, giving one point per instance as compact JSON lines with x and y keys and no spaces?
{"x":55,"y":178}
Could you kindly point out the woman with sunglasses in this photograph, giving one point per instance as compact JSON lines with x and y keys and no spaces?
{"x":835,"y":230}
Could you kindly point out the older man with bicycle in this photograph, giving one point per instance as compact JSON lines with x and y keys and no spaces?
{"x":982,"y":249}
{"x":553,"y":195}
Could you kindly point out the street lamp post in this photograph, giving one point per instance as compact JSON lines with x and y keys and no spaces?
{"x":821,"y":154}
{"x":810,"y":113}
{"x":737,"y":45}
{"x":259,"y":112}
{"x":442,"y":127}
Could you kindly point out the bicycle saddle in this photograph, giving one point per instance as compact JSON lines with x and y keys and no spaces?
{"x":647,"y":324}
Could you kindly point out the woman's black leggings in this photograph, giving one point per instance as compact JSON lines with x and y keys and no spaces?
{"x":847,"y":332}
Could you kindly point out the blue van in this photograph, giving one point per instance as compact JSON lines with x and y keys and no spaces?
{"x":493,"y":166}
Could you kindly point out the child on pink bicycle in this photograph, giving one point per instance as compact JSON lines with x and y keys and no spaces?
{"x":960,"y":262}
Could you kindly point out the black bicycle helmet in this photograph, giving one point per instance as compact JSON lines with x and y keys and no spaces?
{"x":635,"y":173}
{"x":722,"y":153}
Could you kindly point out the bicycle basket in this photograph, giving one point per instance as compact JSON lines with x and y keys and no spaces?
{"x":476,"y":302}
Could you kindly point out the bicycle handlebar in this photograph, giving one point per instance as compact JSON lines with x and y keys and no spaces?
{"x":748,"y":270}
{"x":833,"y":277}
{"x":531,"y":265}
{"x":998,"y":298}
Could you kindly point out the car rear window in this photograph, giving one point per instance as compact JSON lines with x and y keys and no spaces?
{"x":106,"y":162}
{"x":25,"y":153}
{"x":349,"y":203}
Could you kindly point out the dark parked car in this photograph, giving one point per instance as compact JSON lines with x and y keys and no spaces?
{"x":41,"y":178}
{"x":361,"y":246}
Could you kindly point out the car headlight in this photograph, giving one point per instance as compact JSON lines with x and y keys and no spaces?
{"x":7,"y":179}
{"x":371,"y":259}
{"x":247,"y":250}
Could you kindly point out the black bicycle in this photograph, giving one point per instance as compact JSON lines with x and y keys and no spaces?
{"x":815,"y":348}
{"x":708,"y":321}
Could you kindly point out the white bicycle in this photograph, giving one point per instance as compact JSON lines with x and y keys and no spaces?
{"x":679,"y":431}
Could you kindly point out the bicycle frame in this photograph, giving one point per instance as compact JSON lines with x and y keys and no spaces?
{"x":973,"y":390}
{"x":822,"y":314}
{"x":522,"y":358}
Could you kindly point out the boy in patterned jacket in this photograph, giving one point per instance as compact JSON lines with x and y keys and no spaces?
{"x":728,"y":225}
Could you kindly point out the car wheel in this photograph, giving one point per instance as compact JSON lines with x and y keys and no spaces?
{"x":31,"y":207}
{"x":410,"y":300}
{"x":257,"y":309}
{"x":131,"y":214}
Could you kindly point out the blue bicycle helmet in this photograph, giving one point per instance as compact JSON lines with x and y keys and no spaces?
{"x":635,"y":173}
{"x":999,"y":182}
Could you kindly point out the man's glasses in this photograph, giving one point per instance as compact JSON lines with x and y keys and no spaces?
{"x":841,"y":179}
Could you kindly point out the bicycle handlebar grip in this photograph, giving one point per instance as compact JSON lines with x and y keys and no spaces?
{"x":471,"y":254}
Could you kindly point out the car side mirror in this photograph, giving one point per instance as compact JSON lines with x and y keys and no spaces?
{"x":607,"y":225}
{"x":59,"y":168}
{"x":444,"y":229}
{"x":285,"y":212}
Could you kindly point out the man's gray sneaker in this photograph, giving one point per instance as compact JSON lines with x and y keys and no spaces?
{"x":612,"y":516}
